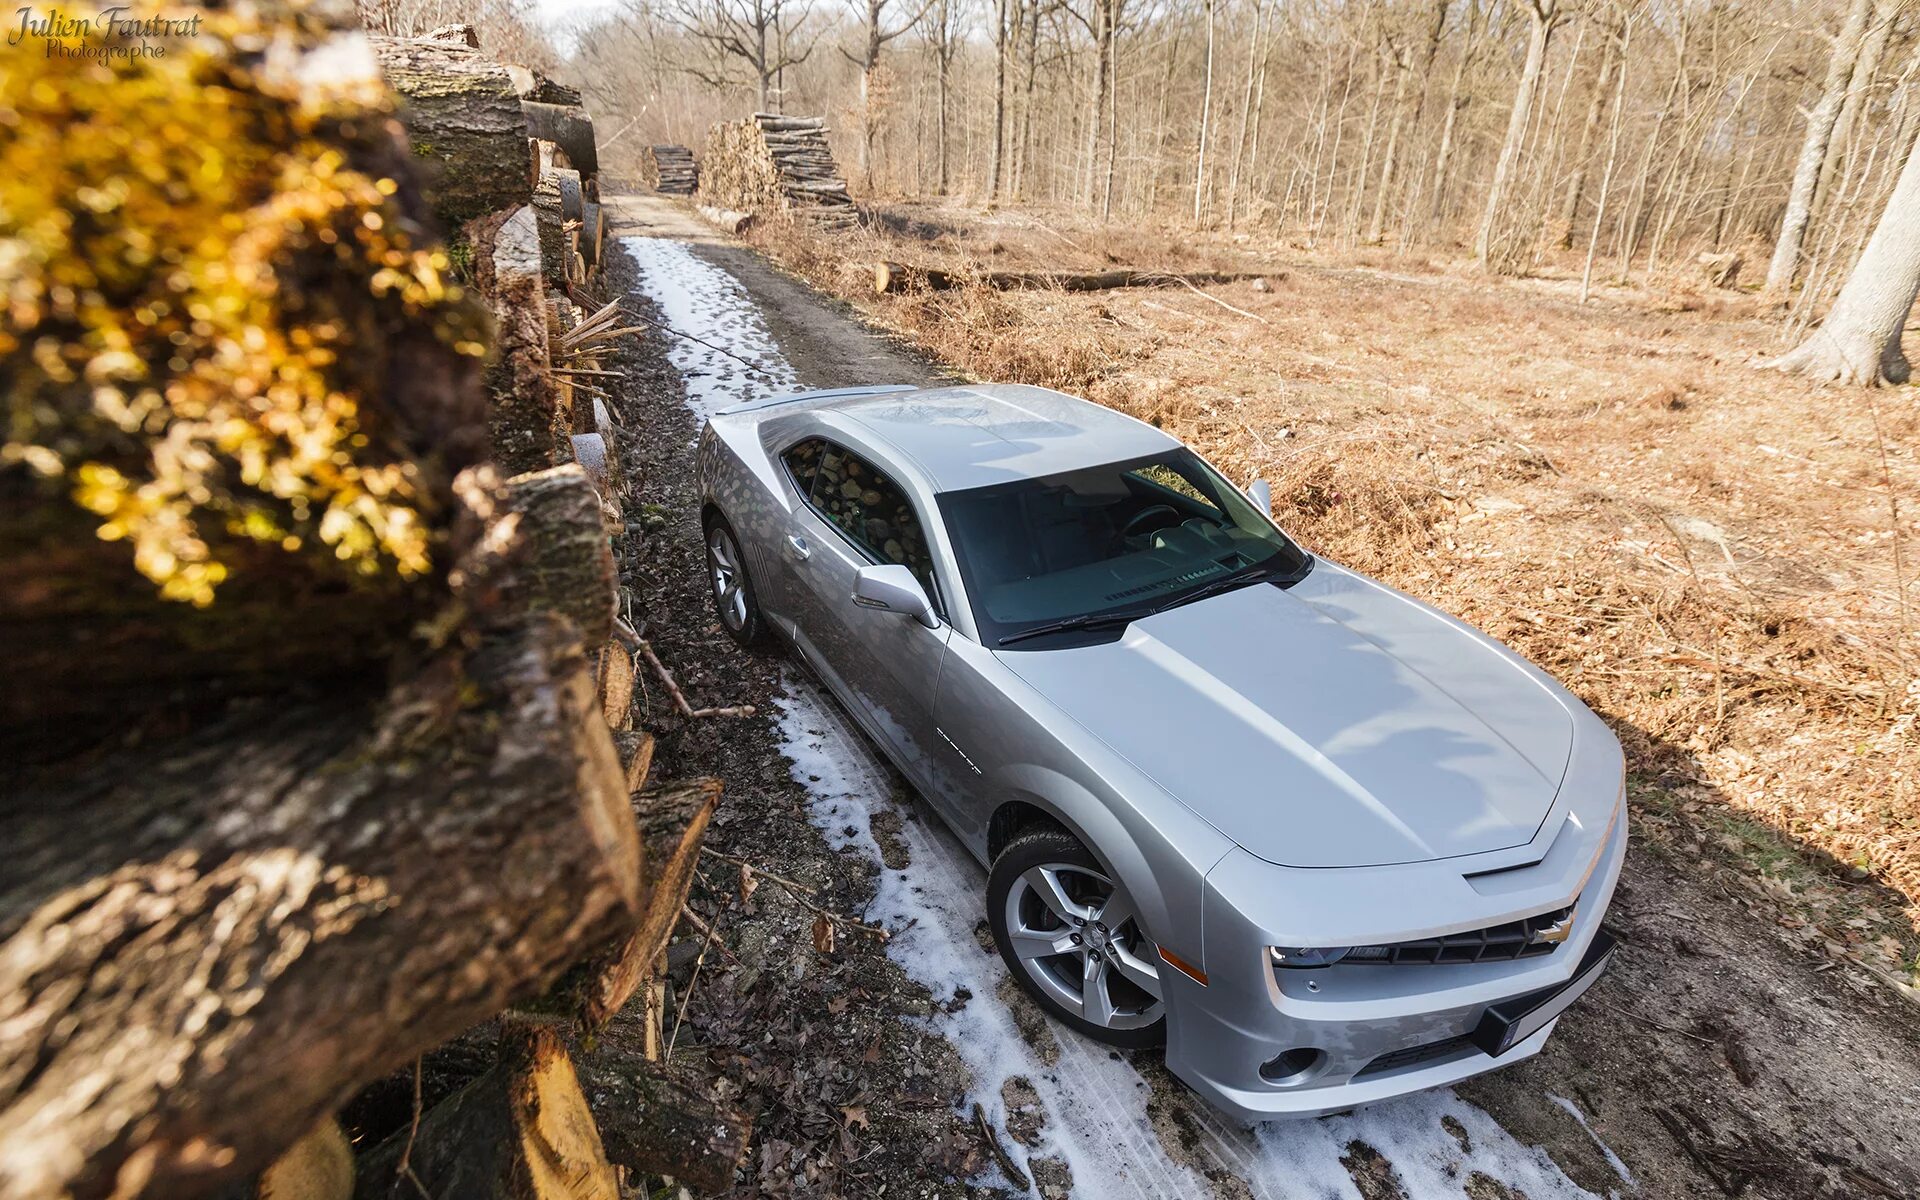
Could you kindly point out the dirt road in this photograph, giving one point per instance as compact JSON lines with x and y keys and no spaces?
{"x":1711,"y":1060}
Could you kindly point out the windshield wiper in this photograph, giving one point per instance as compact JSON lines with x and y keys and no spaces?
{"x":1251,"y":575}
{"x":1083,"y":621}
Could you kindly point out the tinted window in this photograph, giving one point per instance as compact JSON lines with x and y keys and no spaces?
{"x":1121,"y":538}
{"x":871,"y":510}
{"x":802,"y":461}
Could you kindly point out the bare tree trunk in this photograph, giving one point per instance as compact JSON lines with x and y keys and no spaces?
{"x":1859,"y":342}
{"x":1246,"y":109}
{"x":1577,"y":180}
{"x":1457,"y":100}
{"x":1259,"y":104}
{"x":1813,"y":151}
{"x":1113,"y":127}
{"x":1417,"y":68}
{"x":1541,"y":14}
{"x":1206,"y":117}
{"x":995,"y":165}
{"x":1613,"y":154}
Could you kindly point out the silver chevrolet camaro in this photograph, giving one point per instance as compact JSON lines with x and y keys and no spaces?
{"x":1330,"y":844}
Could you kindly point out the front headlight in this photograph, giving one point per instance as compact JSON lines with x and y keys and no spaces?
{"x":1302,"y":957}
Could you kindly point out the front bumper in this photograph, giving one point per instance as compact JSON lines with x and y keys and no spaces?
{"x":1374,"y":1032}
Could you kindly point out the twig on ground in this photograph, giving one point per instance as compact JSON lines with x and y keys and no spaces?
{"x":694,"y":919}
{"x":1217,"y":300}
{"x":673,"y":689}
{"x":1635,"y":1017}
{"x":1008,"y":1167}
{"x":802,"y":895}
{"x":413,"y":1131}
{"x":693,"y":981}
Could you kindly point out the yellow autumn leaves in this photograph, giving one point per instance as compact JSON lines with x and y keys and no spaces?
{"x":196,"y":282}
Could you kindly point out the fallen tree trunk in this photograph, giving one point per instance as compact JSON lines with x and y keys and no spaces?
{"x":893,"y":277}
{"x":463,"y":116}
{"x":654,"y":1121}
{"x":728,"y":219}
{"x":521,"y":1131}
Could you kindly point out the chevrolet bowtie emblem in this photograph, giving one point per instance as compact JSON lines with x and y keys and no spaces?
{"x":1555,"y":933}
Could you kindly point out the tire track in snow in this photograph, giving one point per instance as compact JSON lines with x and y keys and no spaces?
{"x":1095,"y":1101}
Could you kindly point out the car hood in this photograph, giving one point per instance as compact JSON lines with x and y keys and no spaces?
{"x":1336,"y":723}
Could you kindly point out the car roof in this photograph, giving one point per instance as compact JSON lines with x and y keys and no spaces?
{"x":977,"y":435}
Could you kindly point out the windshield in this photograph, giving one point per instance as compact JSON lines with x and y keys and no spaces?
{"x":1118,"y":541}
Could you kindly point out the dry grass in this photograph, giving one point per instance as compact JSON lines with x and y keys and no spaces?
{"x":1716,"y":557}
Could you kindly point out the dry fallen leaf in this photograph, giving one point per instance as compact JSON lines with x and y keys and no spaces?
{"x":823,"y":934}
{"x":854,"y":1114}
{"x":748,"y":882}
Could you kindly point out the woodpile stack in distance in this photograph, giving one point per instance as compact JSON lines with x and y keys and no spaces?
{"x":669,"y":169}
{"x":771,"y":164}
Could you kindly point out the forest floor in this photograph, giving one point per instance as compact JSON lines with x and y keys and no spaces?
{"x":1725,"y":1053}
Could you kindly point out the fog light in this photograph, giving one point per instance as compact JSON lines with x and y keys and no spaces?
{"x":1293,"y":1066}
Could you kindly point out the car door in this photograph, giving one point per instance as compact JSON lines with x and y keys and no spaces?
{"x":885,"y":666}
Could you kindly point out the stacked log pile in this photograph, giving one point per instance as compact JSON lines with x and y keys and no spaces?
{"x":331,"y":754}
{"x":770,"y":164}
{"x":669,"y":169}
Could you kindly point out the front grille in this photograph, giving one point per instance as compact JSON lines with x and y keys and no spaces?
{"x":1395,"y":1060}
{"x":1496,"y":943}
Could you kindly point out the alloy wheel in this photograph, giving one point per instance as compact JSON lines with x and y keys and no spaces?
{"x":1078,"y":937}
{"x":729,"y":587}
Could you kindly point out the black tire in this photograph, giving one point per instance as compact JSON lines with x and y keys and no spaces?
{"x":739,"y":612}
{"x":1038,"y":847}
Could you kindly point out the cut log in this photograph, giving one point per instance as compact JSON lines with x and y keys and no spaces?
{"x":669,"y":169}
{"x":892,"y":277}
{"x":567,"y":126}
{"x":522,"y":1131}
{"x":569,"y":568}
{"x":654,"y":1120}
{"x":673,"y":822}
{"x":526,"y":419}
{"x":532,"y":85}
{"x":593,"y":232}
{"x":613,"y":680}
{"x":635,"y":747}
{"x":463,"y":34}
{"x":463,"y":116}
{"x":728,"y":219}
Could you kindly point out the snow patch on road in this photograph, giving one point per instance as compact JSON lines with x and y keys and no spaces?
{"x":1095,"y":1101}
{"x":1613,"y":1160}
{"x":704,"y":302}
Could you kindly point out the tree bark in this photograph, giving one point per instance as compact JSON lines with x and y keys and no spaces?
{"x":1813,"y":150}
{"x":1859,"y":342}
{"x":463,"y":115}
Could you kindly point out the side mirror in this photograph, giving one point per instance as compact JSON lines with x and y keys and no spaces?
{"x":892,"y":588}
{"x":1262,"y":496}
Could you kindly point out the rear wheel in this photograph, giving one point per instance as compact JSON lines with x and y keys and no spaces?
{"x":1072,"y":937}
{"x":734,"y":600}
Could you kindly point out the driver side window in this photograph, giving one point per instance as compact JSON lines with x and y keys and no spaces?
{"x":871,"y":509}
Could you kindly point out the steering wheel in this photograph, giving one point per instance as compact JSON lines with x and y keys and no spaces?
{"x":1168,"y":510}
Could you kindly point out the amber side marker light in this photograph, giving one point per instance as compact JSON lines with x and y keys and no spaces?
{"x":1179,"y":964}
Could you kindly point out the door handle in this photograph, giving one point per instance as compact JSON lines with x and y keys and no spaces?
{"x":797,"y":547}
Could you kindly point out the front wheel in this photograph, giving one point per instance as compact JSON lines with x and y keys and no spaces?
{"x":1071,"y":936}
{"x":734,"y":598}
